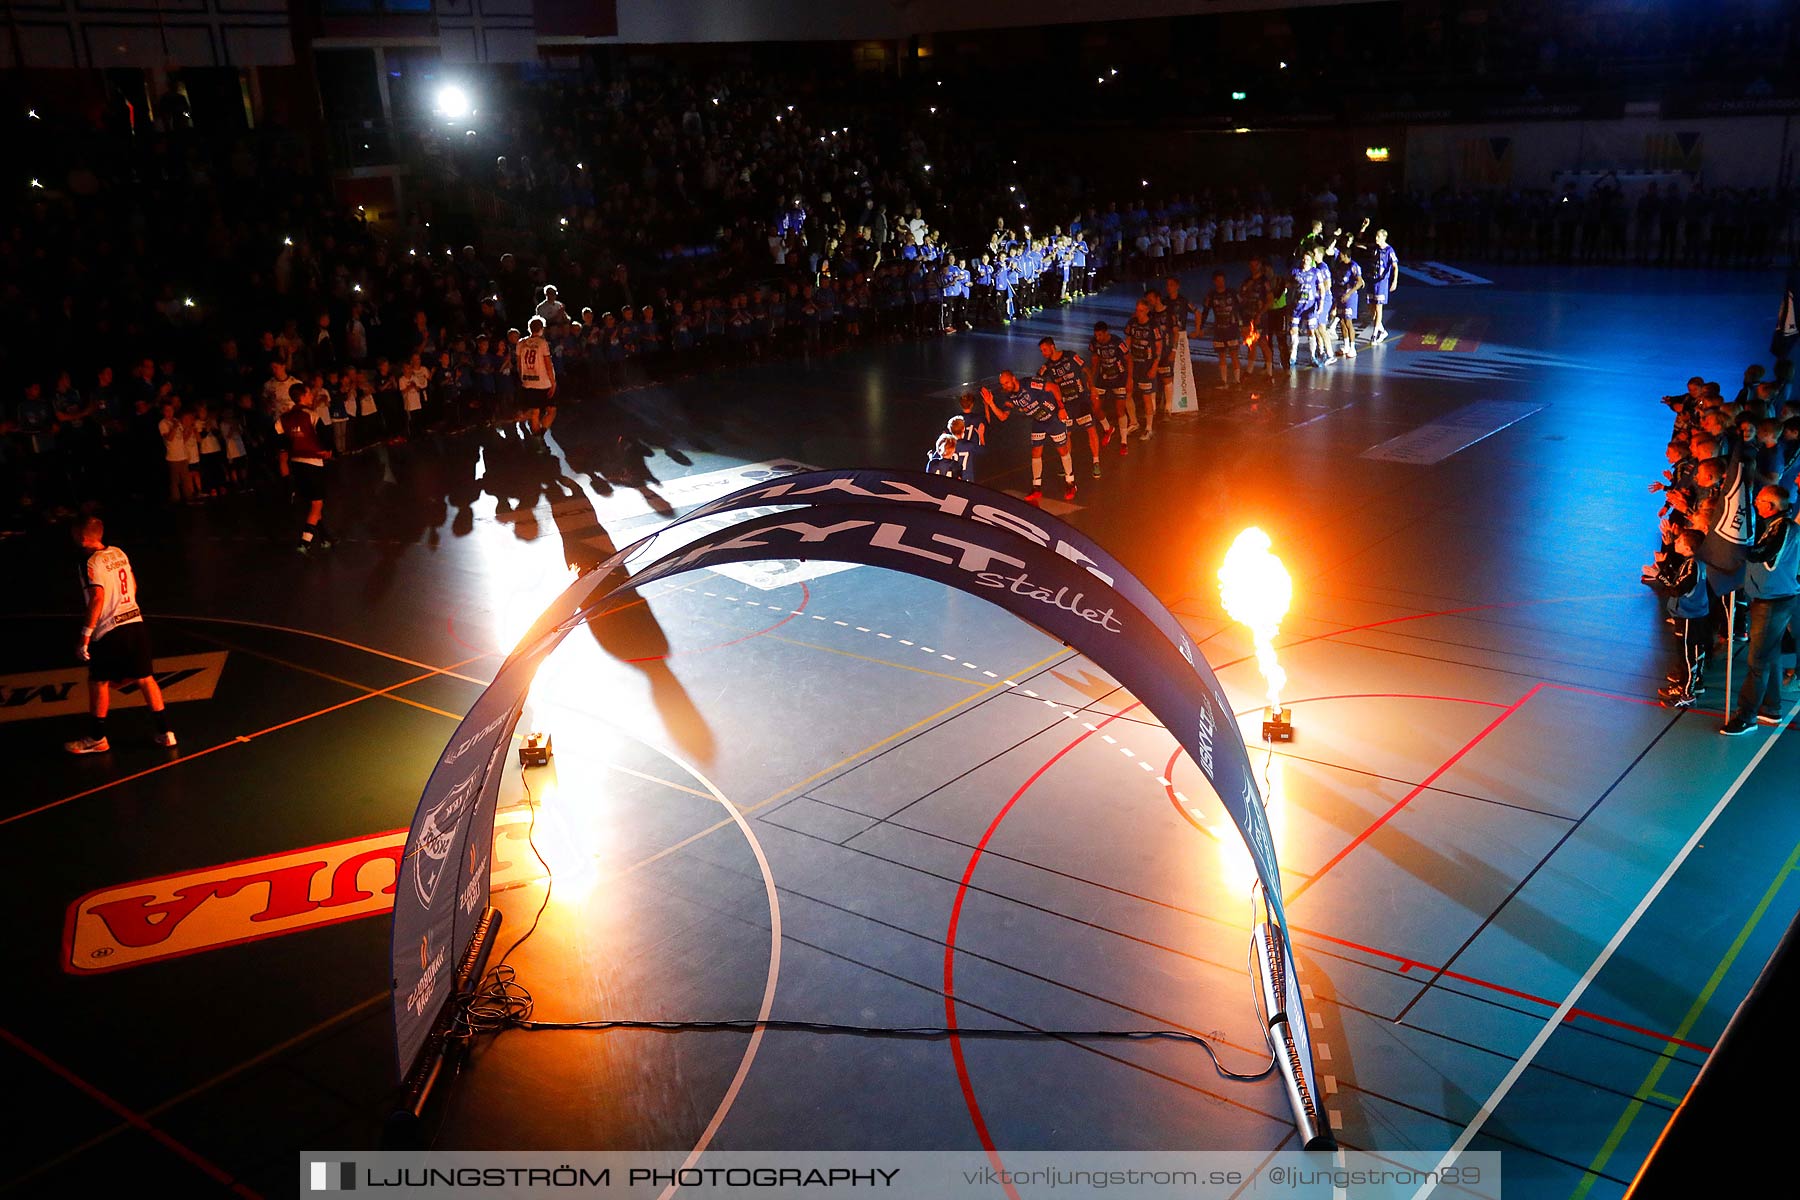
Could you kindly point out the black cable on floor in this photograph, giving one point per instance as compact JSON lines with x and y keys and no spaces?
{"x":501,"y":1002}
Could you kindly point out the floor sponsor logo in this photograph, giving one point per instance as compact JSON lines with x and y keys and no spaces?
{"x":205,"y":909}
{"x":1461,"y":335}
{"x":63,"y":693}
{"x":1452,"y":432}
{"x":1436,"y":274}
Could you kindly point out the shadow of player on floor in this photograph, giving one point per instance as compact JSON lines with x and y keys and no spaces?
{"x":626,"y":628}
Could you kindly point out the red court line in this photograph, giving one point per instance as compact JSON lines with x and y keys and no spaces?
{"x":1409,"y":964}
{"x":1169,"y":767}
{"x":1581,"y":691}
{"x":962,"y":890}
{"x":1407,"y":799}
{"x":217,"y":1173}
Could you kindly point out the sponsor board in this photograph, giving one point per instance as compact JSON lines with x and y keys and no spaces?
{"x":1436,"y":274}
{"x":1183,"y":396}
{"x":63,"y":692}
{"x":212,"y":907}
{"x":1435,"y":442}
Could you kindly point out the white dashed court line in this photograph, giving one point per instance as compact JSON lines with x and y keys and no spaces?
{"x":1067,"y":713}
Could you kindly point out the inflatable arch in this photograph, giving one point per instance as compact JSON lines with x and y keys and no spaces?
{"x":980,"y":541}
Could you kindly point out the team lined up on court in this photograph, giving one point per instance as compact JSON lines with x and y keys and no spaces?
{"x":1126,"y":378}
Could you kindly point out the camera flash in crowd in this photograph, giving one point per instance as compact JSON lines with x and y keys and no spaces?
{"x":187,"y":302}
{"x":33,"y":114}
{"x":287,"y":241}
{"x":36,"y":184}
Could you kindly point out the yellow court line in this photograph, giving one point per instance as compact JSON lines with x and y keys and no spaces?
{"x":239,"y":740}
{"x":349,"y":683}
{"x":1666,"y":1056}
{"x":987,"y":690}
{"x":668,"y":783}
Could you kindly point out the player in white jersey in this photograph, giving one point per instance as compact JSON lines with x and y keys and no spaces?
{"x":114,"y":643}
{"x":537,"y":378}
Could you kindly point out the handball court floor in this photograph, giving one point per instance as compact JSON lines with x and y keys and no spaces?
{"x":1527,"y":899}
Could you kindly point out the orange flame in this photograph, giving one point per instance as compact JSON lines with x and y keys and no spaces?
{"x":1256,"y":591}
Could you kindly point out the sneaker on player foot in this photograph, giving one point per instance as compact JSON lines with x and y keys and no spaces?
{"x":164,"y":739}
{"x":1675,"y":698}
{"x":1148,"y":430}
{"x":1069,"y":490}
{"x":1096,"y":468}
{"x":1106,"y":435}
{"x":1124,"y":447}
{"x":87,"y":745}
{"x":1034,"y":496}
{"x":1740,"y":724}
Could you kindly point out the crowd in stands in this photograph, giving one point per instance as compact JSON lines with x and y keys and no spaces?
{"x":1728,"y":566}
{"x":167,"y":292}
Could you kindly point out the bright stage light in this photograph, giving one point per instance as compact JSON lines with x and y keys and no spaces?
{"x":453,"y":102}
{"x":1376,"y":153}
{"x":1256,"y":592}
